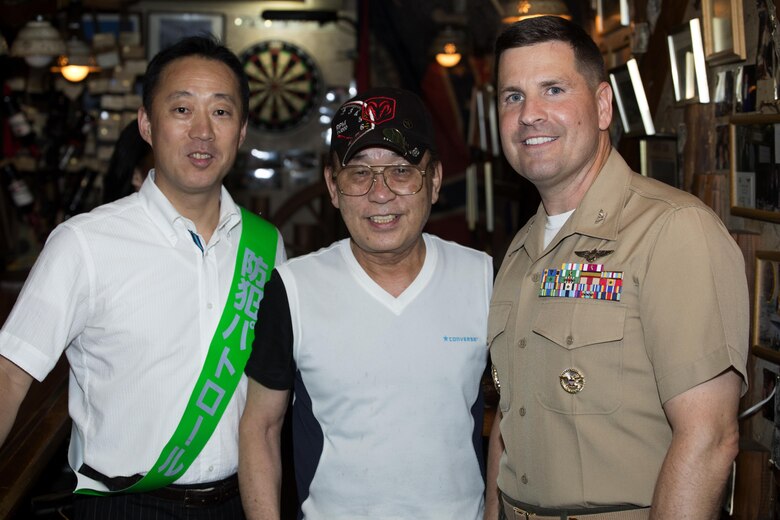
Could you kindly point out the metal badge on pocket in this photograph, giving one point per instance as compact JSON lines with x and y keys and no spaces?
{"x":572,"y":380}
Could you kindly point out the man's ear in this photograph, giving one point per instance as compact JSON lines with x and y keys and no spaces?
{"x":332,"y":188}
{"x":436,"y":181}
{"x":242,"y":135}
{"x":604,"y":103}
{"x":144,"y":125}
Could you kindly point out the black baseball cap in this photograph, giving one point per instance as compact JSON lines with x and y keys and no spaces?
{"x":383,"y":117}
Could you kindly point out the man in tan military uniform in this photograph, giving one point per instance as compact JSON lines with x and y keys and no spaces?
{"x":619,"y":320}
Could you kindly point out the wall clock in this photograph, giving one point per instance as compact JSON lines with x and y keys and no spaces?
{"x":284,"y":85}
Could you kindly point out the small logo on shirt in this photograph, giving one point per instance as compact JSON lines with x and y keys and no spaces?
{"x":460,"y":339}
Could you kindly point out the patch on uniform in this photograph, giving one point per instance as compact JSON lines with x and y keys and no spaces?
{"x":588,"y":281}
{"x":572,"y":380}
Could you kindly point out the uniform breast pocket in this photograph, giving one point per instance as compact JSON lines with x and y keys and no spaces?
{"x":582,"y":359}
{"x":498,"y":343}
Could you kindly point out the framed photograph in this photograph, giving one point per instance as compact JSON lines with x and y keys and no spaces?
{"x":109,"y":23}
{"x":611,"y":15}
{"x":166,"y":28}
{"x":630,"y":98}
{"x":766,"y":306}
{"x":686,"y":56}
{"x":658,"y":159}
{"x":724,"y":31}
{"x":754,"y":166}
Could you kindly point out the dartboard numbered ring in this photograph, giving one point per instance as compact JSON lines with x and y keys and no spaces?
{"x":284,"y":85}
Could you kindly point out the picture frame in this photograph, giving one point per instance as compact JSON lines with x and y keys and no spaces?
{"x":658,"y":159}
{"x":689,"y":69}
{"x":766,"y":310}
{"x":631,"y":100}
{"x":612,"y":15}
{"x":109,"y":23}
{"x":165,"y":28}
{"x":754,"y":166}
{"x":724,"y":31}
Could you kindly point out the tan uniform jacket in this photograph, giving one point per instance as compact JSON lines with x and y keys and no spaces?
{"x":682,"y":319}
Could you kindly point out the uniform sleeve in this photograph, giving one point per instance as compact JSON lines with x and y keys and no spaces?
{"x":271,"y":361}
{"x":694,"y":303}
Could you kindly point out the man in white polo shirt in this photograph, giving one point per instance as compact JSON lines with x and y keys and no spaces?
{"x":381,"y":337}
{"x":153,"y":299}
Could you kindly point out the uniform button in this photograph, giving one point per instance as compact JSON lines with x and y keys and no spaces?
{"x":535,"y":278}
{"x":522,"y":343}
{"x":209,"y":306}
{"x":522,"y":411}
{"x":211,"y":468}
{"x":524,"y":479}
{"x":569,"y":340}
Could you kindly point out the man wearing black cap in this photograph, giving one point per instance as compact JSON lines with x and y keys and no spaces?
{"x":380,"y":336}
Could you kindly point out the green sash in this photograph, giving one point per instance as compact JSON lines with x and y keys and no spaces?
{"x":224,"y":365}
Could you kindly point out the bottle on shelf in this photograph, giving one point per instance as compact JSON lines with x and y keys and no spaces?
{"x":20,"y":192}
{"x":17,"y":120}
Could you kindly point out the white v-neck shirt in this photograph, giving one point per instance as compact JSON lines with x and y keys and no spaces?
{"x":387,"y":388}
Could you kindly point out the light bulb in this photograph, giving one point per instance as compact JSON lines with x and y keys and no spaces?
{"x":74,"y":73}
{"x":448,"y":59}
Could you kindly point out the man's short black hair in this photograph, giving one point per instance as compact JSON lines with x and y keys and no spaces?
{"x":206,"y":47}
{"x":544,"y":29}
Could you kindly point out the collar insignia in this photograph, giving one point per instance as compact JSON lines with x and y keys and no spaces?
{"x":601,"y":216}
{"x":593,"y":254}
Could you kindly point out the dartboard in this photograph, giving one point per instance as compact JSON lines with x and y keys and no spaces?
{"x":284,"y":85}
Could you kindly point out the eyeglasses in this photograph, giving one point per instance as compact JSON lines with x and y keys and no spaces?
{"x":356,"y":180}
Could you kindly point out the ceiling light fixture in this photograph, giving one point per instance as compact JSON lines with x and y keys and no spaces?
{"x":38,"y":43}
{"x":448,"y":47}
{"x":77,"y":62}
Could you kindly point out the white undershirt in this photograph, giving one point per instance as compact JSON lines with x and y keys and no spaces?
{"x":554,"y":224}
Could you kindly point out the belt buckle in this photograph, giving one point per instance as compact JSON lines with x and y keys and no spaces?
{"x":197,"y":498}
{"x":526,"y":514}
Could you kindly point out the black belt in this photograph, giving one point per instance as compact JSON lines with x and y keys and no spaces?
{"x":532,"y":510}
{"x":192,"y":495}
{"x":199,"y":495}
